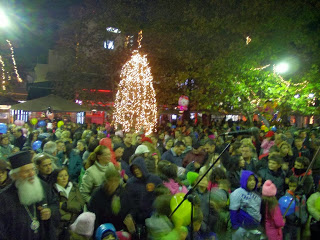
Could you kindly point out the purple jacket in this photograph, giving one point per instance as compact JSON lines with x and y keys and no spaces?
{"x":245,"y":205}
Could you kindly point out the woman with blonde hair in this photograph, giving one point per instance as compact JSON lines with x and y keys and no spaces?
{"x":97,"y":164}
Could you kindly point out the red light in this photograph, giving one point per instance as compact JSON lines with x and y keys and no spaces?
{"x":99,"y":90}
{"x":105,"y":91}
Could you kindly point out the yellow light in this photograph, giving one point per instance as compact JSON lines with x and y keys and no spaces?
{"x":3,"y":81}
{"x":135,"y":104}
{"x":248,"y":40}
{"x":261,"y":68}
{"x":14,"y":61}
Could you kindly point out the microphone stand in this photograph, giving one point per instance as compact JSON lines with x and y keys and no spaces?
{"x":194,"y":187}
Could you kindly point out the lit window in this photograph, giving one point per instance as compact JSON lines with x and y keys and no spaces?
{"x":108,"y":44}
{"x":232,"y":117}
{"x":80,"y":117}
{"x":113,"y":30}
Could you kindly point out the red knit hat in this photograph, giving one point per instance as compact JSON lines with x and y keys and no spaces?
{"x":269,"y":134}
{"x":146,"y":139}
{"x":123,"y":235}
{"x":269,"y":189}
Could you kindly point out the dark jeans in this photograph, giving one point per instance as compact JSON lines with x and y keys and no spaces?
{"x":291,"y":232}
{"x":315,"y":230}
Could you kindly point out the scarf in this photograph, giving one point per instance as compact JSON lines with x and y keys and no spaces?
{"x":65,"y":190}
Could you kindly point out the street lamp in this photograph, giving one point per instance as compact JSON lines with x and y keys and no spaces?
{"x":281,"y":67}
{"x":4,"y":21}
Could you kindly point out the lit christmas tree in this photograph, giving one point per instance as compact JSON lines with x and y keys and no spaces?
{"x":5,"y":75}
{"x":135,"y":104}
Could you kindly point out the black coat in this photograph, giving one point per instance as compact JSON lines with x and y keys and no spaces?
{"x":20,"y":141}
{"x":278,"y":178}
{"x":141,"y":191}
{"x":100,"y":204}
{"x":15,"y":221}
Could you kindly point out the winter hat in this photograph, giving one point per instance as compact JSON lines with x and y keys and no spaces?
{"x":269,"y":134}
{"x":104,"y":229}
{"x":20,"y":159}
{"x":269,"y":189}
{"x":123,"y":235}
{"x":141,"y":149}
{"x":84,"y":224}
{"x":146,"y":139}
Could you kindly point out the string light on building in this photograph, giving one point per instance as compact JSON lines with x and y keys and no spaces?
{"x":14,"y":61}
{"x":135,"y":104}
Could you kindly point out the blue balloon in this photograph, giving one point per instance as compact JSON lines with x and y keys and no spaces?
{"x":3,"y":128}
{"x":284,"y":203}
{"x":274,"y":129}
{"x":36,"y":145}
{"x":42,"y":123}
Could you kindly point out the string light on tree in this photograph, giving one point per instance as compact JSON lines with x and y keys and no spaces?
{"x":135,"y":104}
{"x":3,"y":76}
{"x":248,"y":40}
{"x":14,"y":61}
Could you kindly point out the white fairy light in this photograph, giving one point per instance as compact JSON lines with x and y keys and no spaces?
{"x":135,"y":104}
{"x":14,"y":61}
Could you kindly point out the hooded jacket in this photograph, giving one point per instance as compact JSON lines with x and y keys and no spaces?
{"x":141,"y":191}
{"x":245,"y":205}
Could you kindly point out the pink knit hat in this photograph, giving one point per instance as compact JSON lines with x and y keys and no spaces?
{"x":269,"y":189}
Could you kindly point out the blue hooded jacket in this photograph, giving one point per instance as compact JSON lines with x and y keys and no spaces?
{"x":245,"y":205}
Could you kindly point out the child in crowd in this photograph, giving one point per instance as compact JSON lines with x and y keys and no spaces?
{"x":107,"y":231}
{"x":273,"y":220}
{"x":202,"y":201}
{"x":268,"y":142}
{"x":197,"y":222}
{"x":274,"y":173}
{"x":234,"y":172}
{"x":167,"y":171}
{"x":245,"y":208}
{"x":299,"y":171}
{"x":83,"y":227}
{"x":159,"y":225}
{"x":295,"y":221}
{"x":219,"y":209}
{"x":216,"y":175}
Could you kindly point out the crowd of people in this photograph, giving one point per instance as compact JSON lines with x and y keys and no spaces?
{"x":96,"y":182}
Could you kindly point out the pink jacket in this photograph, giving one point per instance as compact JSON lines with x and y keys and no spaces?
{"x":266,"y":145}
{"x":274,"y":224}
{"x":174,"y":187}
